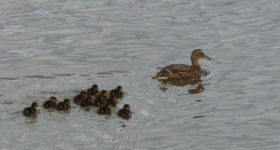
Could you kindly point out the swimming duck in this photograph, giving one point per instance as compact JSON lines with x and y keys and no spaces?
{"x":80,"y":97}
{"x":125,"y":113}
{"x":30,"y":111}
{"x":93,"y":91}
{"x":181,"y":71}
{"x":112,"y":101}
{"x":117,"y":92}
{"x":104,"y":110}
{"x":87,"y":102}
{"x":100,"y":99}
{"x":51,"y":103}
{"x":64,"y":106}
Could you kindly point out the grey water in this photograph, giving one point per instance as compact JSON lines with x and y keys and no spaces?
{"x":59,"y":47}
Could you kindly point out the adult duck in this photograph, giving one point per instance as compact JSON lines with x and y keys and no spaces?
{"x":183,"y":72}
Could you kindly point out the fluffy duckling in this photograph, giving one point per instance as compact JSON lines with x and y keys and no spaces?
{"x":64,"y":106}
{"x":30,"y":111}
{"x":93,"y":91}
{"x":104,"y":110}
{"x":125,"y":113}
{"x":100,"y":99}
{"x":117,"y":92}
{"x":87,"y":102}
{"x":181,"y":71}
{"x":51,"y":103}
{"x":80,"y":97}
{"x":112,"y":101}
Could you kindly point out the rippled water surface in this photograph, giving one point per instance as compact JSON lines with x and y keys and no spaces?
{"x":58,"y":47}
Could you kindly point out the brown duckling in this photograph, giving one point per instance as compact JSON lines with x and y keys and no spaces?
{"x":93,"y":91}
{"x":87,"y":102}
{"x":117,"y":92}
{"x":104,"y":110}
{"x":30,"y":111}
{"x":181,"y":71}
{"x":100,"y":100}
{"x":112,"y":101}
{"x":64,"y":106}
{"x":125,"y":113}
{"x":80,"y":97}
{"x":51,"y":103}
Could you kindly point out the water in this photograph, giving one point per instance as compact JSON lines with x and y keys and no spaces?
{"x":51,"y":47}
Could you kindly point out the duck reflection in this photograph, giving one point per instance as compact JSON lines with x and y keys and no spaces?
{"x":197,"y":89}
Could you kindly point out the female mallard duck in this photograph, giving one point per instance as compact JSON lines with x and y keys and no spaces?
{"x":87,"y":102}
{"x":64,"y":106}
{"x":93,"y":91}
{"x":125,"y":113}
{"x":181,"y":71}
{"x":30,"y":111}
{"x":100,"y":99}
{"x":80,"y":97}
{"x":104,"y":110}
{"x":51,"y":103}
{"x":117,"y":92}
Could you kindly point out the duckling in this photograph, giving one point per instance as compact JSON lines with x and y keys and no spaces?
{"x":100,"y":99}
{"x":64,"y":106}
{"x":93,"y":91}
{"x":117,"y":92}
{"x":104,"y":110}
{"x":112,"y":101}
{"x":181,"y":71}
{"x":80,"y":97}
{"x":30,"y":111}
{"x":51,"y":103}
{"x":87,"y":102}
{"x":125,"y":113}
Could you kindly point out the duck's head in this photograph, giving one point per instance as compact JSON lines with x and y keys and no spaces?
{"x":198,"y":54}
{"x":126,"y":107}
{"x":104,"y":93}
{"x":83,"y":93}
{"x":119,"y":88}
{"x":53,"y":99}
{"x":66,"y":101}
{"x":34,"y":105}
{"x":95,"y":86}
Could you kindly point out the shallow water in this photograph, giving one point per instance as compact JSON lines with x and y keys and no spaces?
{"x":58,"y":47}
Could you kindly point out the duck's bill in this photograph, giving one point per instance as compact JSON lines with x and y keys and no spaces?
{"x":207,"y":57}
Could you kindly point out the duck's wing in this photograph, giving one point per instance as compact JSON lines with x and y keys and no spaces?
{"x":177,"y":68}
{"x":174,"y":71}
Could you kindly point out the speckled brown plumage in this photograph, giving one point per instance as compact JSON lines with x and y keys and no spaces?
{"x":183,"y":71}
{"x":30,"y":111}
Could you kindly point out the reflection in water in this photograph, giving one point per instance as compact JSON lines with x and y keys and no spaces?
{"x":38,"y":76}
{"x":198,"y":116}
{"x":177,"y":82}
{"x":32,"y":119}
{"x":197,"y":89}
